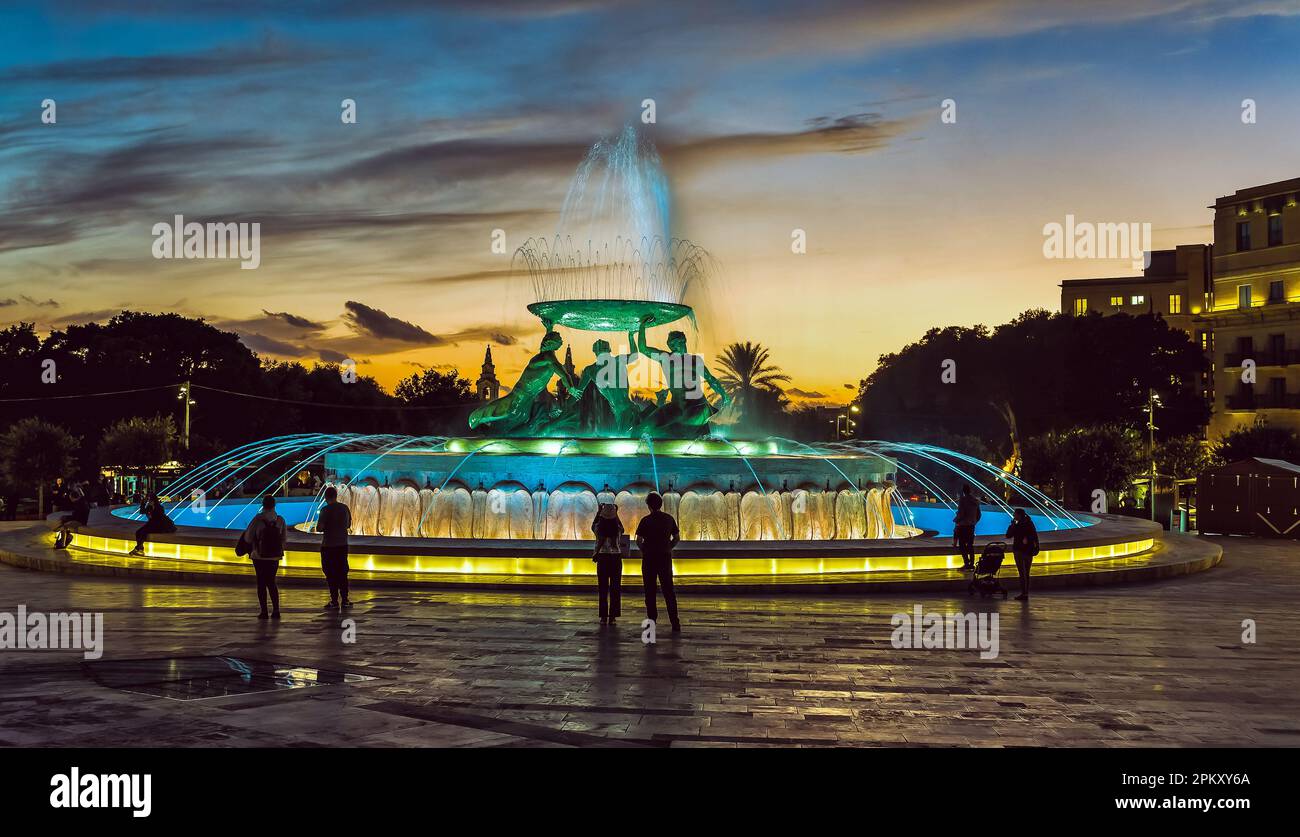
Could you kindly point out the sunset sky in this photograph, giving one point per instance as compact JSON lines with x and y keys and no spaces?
{"x":472,"y":116}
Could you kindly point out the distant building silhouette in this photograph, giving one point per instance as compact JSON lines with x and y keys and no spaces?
{"x":487,"y":387}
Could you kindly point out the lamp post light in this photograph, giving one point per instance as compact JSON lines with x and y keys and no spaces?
{"x":844,"y":424}
{"x":184,"y":395}
{"x":1153,"y":401}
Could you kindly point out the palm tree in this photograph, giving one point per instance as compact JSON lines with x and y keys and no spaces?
{"x":745,"y":370}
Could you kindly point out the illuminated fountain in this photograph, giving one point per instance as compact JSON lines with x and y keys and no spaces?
{"x":516,"y":501}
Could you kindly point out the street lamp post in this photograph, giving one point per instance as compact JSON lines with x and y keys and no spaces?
{"x":844,"y":424}
{"x":1152,"y":401}
{"x":184,"y":395}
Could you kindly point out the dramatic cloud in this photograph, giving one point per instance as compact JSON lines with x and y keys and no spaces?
{"x":295,"y":321}
{"x":262,"y":344}
{"x":154,"y":68}
{"x":78,"y":192}
{"x":464,"y":158}
{"x":805,"y":394}
{"x":474,"y":115}
{"x":495,"y":335}
{"x":851,"y":134}
{"x":371,"y":322}
{"x":331,"y":356}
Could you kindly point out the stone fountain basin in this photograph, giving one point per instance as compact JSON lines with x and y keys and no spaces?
{"x":621,"y":315}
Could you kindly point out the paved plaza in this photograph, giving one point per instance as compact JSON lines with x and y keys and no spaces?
{"x":1159,"y":664}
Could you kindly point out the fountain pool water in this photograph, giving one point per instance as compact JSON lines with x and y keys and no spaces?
{"x":548,"y":489}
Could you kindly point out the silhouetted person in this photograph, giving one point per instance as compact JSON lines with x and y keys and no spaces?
{"x":74,"y":520}
{"x":963,"y":529}
{"x":156,"y":522}
{"x":609,"y":561}
{"x":1024,"y":545}
{"x":656,"y":535}
{"x":265,"y":537}
{"x":334,"y":522}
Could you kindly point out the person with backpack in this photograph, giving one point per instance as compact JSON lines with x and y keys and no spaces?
{"x":333,"y":523}
{"x":1024,"y":546}
{"x":264,"y":538}
{"x":609,"y":561}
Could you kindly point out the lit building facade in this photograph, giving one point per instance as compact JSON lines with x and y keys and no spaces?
{"x":1255,"y":308}
{"x":1176,"y":285}
{"x":1239,"y":298}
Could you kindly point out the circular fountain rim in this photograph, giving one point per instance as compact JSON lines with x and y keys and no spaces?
{"x":1114,"y":542}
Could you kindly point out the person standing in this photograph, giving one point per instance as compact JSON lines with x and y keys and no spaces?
{"x":609,"y":561}
{"x":963,"y":530}
{"x":334,"y":523}
{"x":656,"y":535}
{"x":1024,"y":545}
{"x":265,"y":537}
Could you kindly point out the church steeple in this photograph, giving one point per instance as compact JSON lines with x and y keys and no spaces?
{"x":561,"y":391}
{"x":487,"y":387}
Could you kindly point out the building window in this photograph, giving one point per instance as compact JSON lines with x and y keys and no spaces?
{"x":1274,"y":230}
{"x":1137,"y":299}
{"x":1243,"y":296}
{"x":1243,"y":235}
{"x":1175,"y":304}
{"x":1276,"y":293}
{"x":1080,"y":307}
{"x":1117,"y":300}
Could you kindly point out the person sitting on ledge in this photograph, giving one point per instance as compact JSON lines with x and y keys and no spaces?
{"x":157,"y":523}
{"x":74,"y":520}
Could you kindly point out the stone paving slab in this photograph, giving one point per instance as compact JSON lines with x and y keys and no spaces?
{"x":1160,"y":664}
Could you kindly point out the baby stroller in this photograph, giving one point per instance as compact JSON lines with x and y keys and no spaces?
{"x":986,"y":571}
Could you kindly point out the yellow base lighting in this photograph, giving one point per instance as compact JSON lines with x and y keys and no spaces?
{"x":758,"y":563}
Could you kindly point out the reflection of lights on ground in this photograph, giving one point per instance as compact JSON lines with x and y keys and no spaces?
{"x":296,"y":678}
{"x":245,"y":673}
